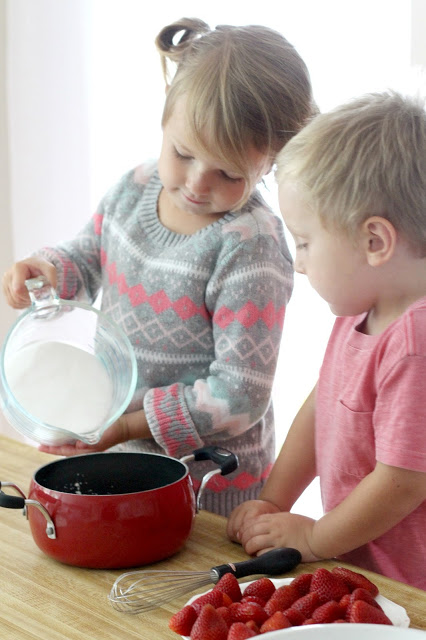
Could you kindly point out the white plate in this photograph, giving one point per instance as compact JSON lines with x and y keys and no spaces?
{"x":395,"y":613}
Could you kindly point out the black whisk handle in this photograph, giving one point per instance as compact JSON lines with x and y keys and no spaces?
{"x":271,"y":563}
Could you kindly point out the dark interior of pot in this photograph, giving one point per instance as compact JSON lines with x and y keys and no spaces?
{"x":110,"y":473}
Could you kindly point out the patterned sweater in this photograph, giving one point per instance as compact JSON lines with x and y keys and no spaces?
{"x":204,"y":313}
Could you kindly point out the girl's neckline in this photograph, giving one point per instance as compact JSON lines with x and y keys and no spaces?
{"x":155,"y":228}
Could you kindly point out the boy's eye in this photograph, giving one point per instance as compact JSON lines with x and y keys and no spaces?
{"x":302,"y":245}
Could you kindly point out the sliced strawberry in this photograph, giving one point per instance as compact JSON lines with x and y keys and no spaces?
{"x":307,"y":604}
{"x":245,"y":611}
{"x":262,"y":588}
{"x":302,"y":583}
{"x":354,"y":580}
{"x":281,"y":599}
{"x":213,"y":597}
{"x":277,"y":621}
{"x":328,"y":612}
{"x":240,"y":631}
{"x":328,"y":585}
{"x":209,"y":625}
{"x":183,"y":621}
{"x":361,"y":611}
{"x":229,"y":584}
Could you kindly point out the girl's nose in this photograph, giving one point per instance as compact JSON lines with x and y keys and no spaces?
{"x":198,"y":182}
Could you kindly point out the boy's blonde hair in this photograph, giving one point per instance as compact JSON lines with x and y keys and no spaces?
{"x":242,"y":85}
{"x":365,"y":158}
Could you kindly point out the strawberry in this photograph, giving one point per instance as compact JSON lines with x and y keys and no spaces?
{"x":361,"y":611}
{"x":253,"y":626}
{"x":302,"y":583}
{"x":339,"y":621}
{"x":239,"y":631}
{"x":183,"y":621}
{"x":262,"y":588}
{"x":277,"y":621}
{"x":281,"y":599}
{"x":254,"y":599}
{"x":295,"y":617}
{"x":226,"y":615}
{"x":353,"y":580}
{"x":209,"y":625}
{"x":345,"y":601}
{"x":229,"y":584}
{"x":328,"y":612}
{"x":245,"y":611}
{"x":307,"y":604}
{"x":363,"y":594}
{"x":307,"y":621}
{"x":328,"y":585}
{"x":213,"y":597}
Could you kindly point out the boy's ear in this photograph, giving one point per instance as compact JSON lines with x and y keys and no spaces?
{"x":379,"y":238}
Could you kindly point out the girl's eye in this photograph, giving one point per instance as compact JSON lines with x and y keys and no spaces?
{"x":180,"y":155}
{"x":230,"y":178}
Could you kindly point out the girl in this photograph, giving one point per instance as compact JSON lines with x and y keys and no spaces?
{"x":190,"y":259}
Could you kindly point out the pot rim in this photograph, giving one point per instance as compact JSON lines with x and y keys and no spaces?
{"x":110,"y":495}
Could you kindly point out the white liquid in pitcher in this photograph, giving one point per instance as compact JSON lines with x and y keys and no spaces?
{"x":61,"y":385}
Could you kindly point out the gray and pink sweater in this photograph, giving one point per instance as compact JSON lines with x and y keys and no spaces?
{"x":204,"y":313}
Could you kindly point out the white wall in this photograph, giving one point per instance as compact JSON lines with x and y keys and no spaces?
{"x":84,"y":94}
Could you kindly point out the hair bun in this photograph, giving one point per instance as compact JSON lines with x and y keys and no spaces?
{"x":192,"y":29}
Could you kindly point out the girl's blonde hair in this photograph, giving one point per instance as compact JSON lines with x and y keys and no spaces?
{"x":242,"y":85}
{"x":365,"y":158}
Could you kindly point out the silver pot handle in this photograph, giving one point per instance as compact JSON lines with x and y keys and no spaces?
{"x":12,"y":502}
{"x":227,"y":461}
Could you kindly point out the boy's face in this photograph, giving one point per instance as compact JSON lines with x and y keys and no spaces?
{"x":197,"y":183}
{"x":335,"y":266}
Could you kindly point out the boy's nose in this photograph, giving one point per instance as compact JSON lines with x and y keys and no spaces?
{"x":298,"y":265}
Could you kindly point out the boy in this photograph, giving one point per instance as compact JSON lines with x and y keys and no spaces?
{"x":352,"y":191}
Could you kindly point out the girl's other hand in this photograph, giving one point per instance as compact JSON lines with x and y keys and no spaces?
{"x":14,"y":288}
{"x":128,"y":427}
{"x":246,"y":512}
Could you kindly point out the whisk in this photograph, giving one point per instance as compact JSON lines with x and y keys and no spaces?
{"x":139,"y":591}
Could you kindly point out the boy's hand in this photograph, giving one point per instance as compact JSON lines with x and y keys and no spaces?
{"x":14,"y":288}
{"x":275,"y":530}
{"x":246,"y":512}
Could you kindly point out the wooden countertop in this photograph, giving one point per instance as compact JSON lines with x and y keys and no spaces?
{"x":42,"y":598}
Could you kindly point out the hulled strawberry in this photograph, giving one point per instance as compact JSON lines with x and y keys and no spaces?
{"x":209,"y":625}
{"x":361,"y":611}
{"x":281,"y":599}
{"x":262,"y":588}
{"x":327,"y":585}
{"x":277,"y":621}
{"x":240,"y":631}
{"x":353,"y":580}
{"x":183,"y":621}
{"x":328,"y":612}
{"x":229,"y":584}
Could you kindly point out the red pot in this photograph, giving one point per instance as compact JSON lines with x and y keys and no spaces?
{"x":114,"y":510}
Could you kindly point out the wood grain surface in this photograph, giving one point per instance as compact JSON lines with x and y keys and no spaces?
{"x":42,"y":598}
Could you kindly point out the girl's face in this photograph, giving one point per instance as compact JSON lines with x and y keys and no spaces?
{"x":336,"y":268}
{"x":195,"y":181}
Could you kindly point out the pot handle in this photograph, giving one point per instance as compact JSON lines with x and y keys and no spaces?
{"x":21,"y":502}
{"x":226,"y":460}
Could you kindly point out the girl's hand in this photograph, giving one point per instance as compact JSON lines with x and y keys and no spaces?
{"x":275,"y":530}
{"x":246,"y":512}
{"x":14,"y":288}
{"x":128,"y":427}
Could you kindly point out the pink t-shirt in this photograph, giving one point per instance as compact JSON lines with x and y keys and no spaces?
{"x":371,"y":406}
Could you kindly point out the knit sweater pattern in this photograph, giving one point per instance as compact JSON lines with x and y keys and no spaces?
{"x":204,"y":313}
